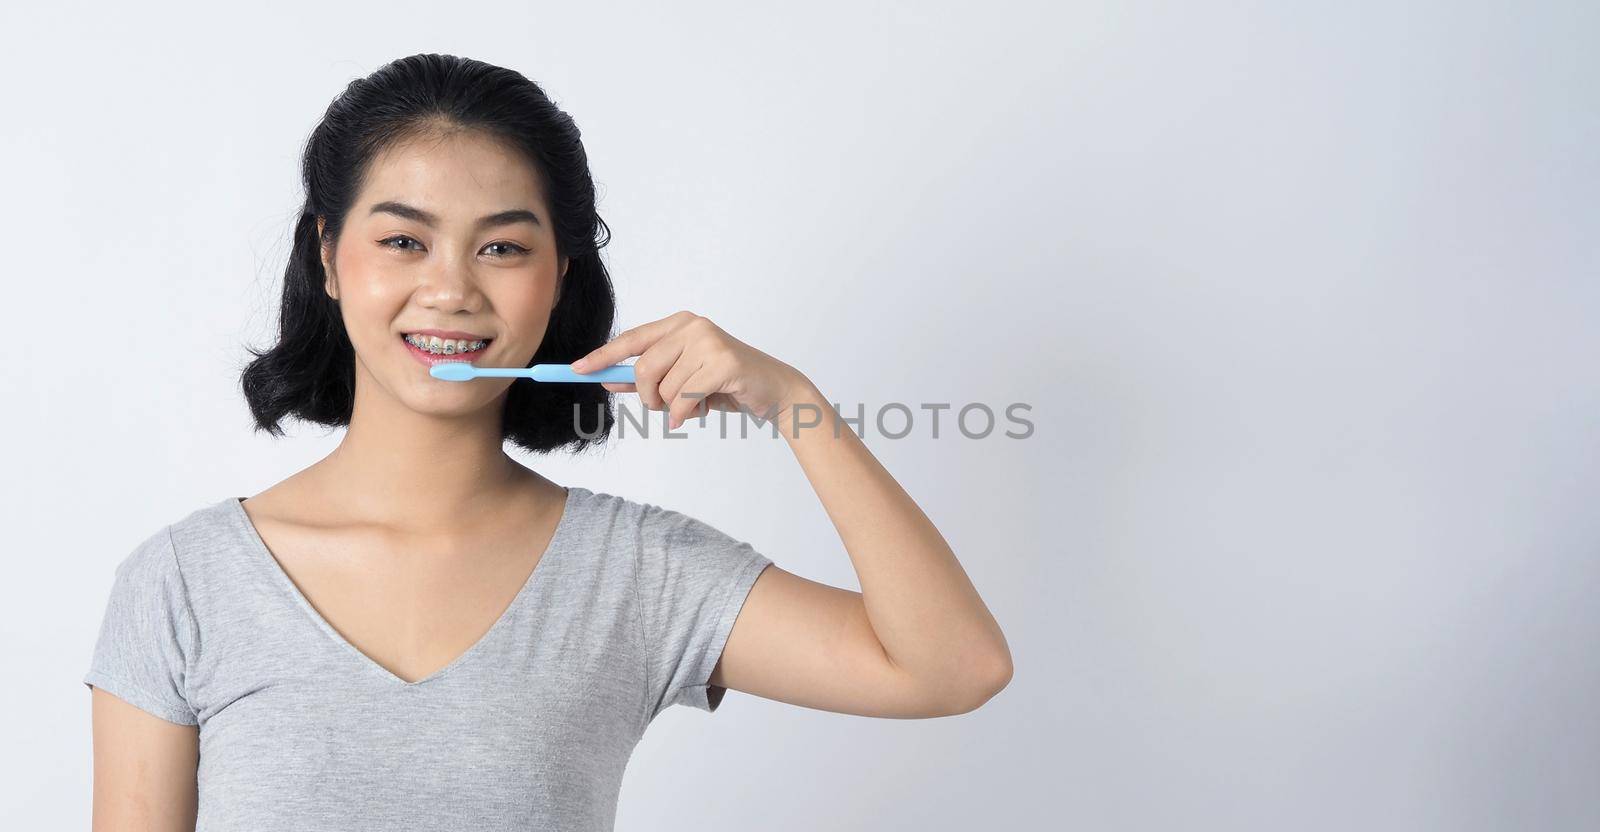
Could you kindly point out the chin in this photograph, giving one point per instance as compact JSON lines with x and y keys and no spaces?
{"x":447,"y":405}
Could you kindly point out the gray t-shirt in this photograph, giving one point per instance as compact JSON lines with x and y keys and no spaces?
{"x":625,"y":614}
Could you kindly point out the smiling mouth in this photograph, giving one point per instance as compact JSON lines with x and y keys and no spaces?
{"x":423,"y":349}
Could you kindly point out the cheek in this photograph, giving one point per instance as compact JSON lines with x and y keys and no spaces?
{"x":368,"y":278}
{"x":524,"y":302}
{"x":360,"y":274}
{"x":369,"y":298}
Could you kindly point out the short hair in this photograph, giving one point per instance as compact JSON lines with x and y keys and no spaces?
{"x":309,"y":374}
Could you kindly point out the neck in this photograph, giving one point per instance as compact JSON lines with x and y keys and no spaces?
{"x":421,"y":472}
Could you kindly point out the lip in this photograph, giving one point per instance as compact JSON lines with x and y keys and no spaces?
{"x":446,"y":333}
{"x":429,"y":359}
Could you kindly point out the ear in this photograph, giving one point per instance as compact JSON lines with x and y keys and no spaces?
{"x":329,"y":284}
{"x":562,"y":279}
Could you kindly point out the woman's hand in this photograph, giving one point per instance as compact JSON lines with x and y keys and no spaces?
{"x":689,"y":366}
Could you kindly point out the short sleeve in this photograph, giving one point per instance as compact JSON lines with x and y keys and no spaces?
{"x":147,"y":634}
{"x":693,"y":581}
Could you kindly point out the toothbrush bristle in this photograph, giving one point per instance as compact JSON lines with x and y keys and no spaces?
{"x":452,"y":371}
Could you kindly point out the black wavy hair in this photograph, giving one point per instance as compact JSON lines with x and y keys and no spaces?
{"x":310,"y":373}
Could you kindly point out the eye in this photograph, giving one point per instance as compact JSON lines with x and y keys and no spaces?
{"x":385,"y":242}
{"x":516,"y":249}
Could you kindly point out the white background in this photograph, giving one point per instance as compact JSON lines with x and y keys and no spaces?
{"x":1304,"y":301}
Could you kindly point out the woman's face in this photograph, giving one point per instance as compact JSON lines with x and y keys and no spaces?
{"x":448,"y":233}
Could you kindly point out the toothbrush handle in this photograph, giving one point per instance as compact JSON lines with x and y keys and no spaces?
{"x":617,"y":373}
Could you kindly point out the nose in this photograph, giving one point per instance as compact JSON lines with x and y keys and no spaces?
{"x":451,"y":286}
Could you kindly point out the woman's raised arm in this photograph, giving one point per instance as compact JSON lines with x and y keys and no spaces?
{"x":917,"y":640}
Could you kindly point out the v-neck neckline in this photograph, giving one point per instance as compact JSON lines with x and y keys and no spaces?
{"x":258,"y":545}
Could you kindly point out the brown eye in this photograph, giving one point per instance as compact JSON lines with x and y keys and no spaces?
{"x":516,"y":249}
{"x":385,"y":242}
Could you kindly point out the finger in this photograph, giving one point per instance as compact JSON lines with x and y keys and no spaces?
{"x":698,"y":388}
{"x":618,"y":386}
{"x":652,"y":366}
{"x":630,"y":343}
{"x":671,"y":386}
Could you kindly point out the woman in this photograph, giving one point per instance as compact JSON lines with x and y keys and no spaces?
{"x":419,"y":632}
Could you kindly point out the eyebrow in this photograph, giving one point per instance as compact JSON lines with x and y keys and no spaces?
{"x":400,"y":209}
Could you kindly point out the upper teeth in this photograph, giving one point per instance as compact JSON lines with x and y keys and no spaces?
{"x":443,"y":346}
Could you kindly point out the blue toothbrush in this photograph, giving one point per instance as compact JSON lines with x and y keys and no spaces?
{"x":463,"y":371}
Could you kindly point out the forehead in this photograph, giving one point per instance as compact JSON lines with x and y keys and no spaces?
{"x":459,"y":176}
